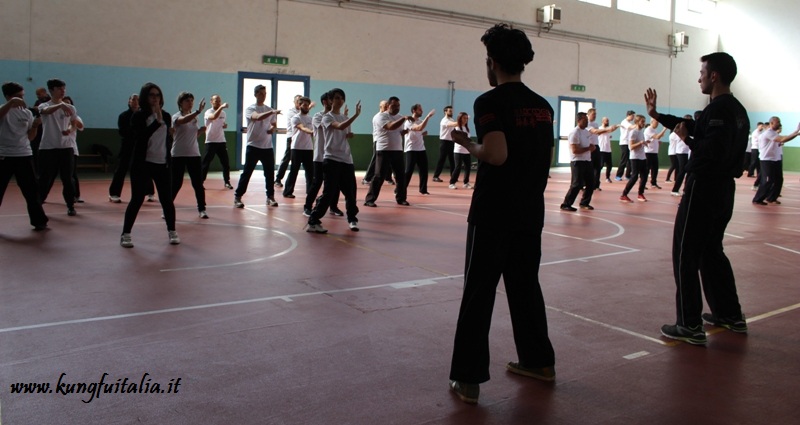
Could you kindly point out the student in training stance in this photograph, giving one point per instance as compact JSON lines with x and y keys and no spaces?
{"x":770,"y":148}
{"x":56,"y":156}
{"x":717,"y":140}
{"x":415,"y":147}
{"x":446,"y":126}
{"x":383,"y":105}
{"x":653,"y":138}
{"x":461,"y":154}
{"x":72,"y":133}
{"x":636,"y":144}
{"x":624,"y":150}
{"x":216,"y":145}
{"x":17,"y":128}
{"x":514,"y":126}
{"x":580,"y":165}
{"x":338,"y":170}
{"x":261,"y":125}
{"x":389,"y":154}
{"x":186,"y":151}
{"x":319,"y":156}
{"x":682,"y":151}
{"x":604,"y":144}
{"x":150,"y":127}
{"x":302,"y":147}
{"x":126,"y":153}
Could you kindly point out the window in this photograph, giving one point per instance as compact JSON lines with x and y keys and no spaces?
{"x":659,"y":9}
{"x":697,"y":13}
{"x":606,"y":3}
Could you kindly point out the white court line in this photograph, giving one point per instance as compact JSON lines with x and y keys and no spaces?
{"x":772,"y":313}
{"x":226,"y":304}
{"x":612,"y":327}
{"x":780,"y":247}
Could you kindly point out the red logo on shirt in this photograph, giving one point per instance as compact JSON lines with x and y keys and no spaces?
{"x":529,"y":117}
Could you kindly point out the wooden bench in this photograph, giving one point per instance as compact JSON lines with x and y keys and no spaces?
{"x":92,"y":161}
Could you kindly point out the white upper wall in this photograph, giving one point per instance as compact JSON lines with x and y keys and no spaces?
{"x":340,"y":44}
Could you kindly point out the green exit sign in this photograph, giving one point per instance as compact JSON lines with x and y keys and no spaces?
{"x":577,"y":87}
{"x":274,"y":60}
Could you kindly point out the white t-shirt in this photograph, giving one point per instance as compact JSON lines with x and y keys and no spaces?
{"x":184,"y":143}
{"x":215,"y":129}
{"x":257,"y":135}
{"x":681,"y":147}
{"x":414,"y":139}
{"x":458,"y":148}
{"x":673,"y":142}
{"x":300,"y":139}
{"x":768,"y":149}
{"x":624,"y":131}
{"x":636,"y":135}
{"x":319,"y":137}
{"x":604,"y":141}
{"x":336,"y":146}
{"x":73,"y":137}
{"x":754,"y":138}
{"x":14,"y":133}
{"x":157,"y":144}
{"x":388,"y":140}
{"x":445,"y":131}
{"x":593,"y":137}
{"x":649,"y":134}
{"x":579,"y":136}
{"x":289,"y":115}
{"x":52,"y":126}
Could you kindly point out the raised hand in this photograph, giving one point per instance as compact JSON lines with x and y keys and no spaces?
{"x":650,"y":97}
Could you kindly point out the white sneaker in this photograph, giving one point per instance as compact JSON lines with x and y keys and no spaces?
{"x":125,"y":240}
{"x":354,"y":226}
{"x":203,"y":214}
{"x":467,"y":186}
{"x":173,"y":238}
{"x":675,"y":193}
{"x":452,"y":186}
{"x":237,"y":202}
{"x":271,"y":202}
{"x":114,"y":199}
{"x":315,"y":228}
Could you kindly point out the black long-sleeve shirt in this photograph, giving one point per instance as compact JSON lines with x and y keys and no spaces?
{"x":718,"y":138}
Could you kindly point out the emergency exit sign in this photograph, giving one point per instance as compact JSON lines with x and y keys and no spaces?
{"x":577,"y":87}
{"x":274,"y":60}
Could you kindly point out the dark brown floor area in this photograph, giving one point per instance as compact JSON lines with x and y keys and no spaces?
{"x":266,"y":324}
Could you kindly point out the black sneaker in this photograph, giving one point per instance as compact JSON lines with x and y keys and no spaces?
{"x":71,"y":212}
{"x":337,"y":212}
{"x":306,"y":212}
{"x":586,"y":207}
{"x":565,"y":207}
{"x":732,"y":324}
{"x":437,"y":180}
{"x":694,"y":335}
{"x":278,"y":184}
{"x":370,"y":204}
{"x":468,"y":393}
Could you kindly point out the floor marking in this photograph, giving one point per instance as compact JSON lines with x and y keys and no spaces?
{"x":612,"y":327}
{"x":780,"y":247}
{"x":773,"y":313}
{"x":292,"y":247}
{"x":636,"y":355}
{"x":287,"y":298}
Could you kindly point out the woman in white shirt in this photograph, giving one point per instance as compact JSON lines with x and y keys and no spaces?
{"x":461,"y":154}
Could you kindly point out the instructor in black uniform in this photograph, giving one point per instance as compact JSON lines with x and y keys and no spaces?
{"x":717,"y":139}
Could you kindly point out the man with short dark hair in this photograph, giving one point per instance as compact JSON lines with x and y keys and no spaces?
{"x":717,"y":140}
{"x":56,"y":156}
{"x":261,"y":124}
{"x":514,"y":126}
{"x":624,"y":152}
{"x":17,"y":129}
{"x":216,"y":145}
{"x":446,"y":126}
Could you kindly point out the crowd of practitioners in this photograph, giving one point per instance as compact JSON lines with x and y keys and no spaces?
{"x":590,"y":152}
{"x":157,"y":149}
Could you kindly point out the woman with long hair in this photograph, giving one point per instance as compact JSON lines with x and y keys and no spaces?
{"x":461,"y":154}
{"x":150,"y":127}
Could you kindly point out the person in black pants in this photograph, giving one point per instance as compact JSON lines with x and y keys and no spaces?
{"x":446,"y":127}
{"x":717,"y":140}
{"x":216,"y":145}
{"x":125,"y":153}
{"x":56,"y":154}
{"x":514,"y":126}
{"x":17,"y":128}
{"x":624,"y":152}
{"x":150,"y":127}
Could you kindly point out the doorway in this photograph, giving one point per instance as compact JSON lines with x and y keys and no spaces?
{"x":568,"y":107}
{"x":281,"y":90}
